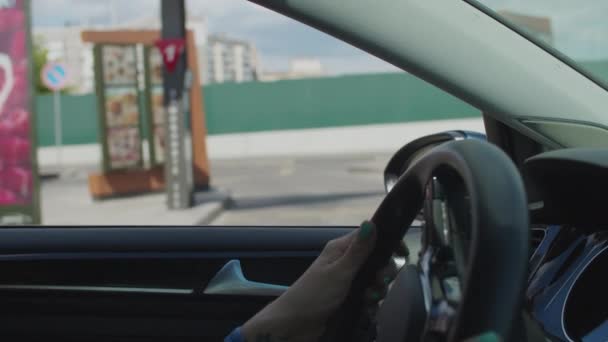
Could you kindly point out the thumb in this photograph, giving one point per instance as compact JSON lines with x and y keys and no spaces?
{"x":360,"y":247}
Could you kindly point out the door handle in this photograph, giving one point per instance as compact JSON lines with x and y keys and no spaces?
{"x":231,"y":281}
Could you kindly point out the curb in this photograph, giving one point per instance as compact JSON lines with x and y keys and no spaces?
{"x":221,"y":200}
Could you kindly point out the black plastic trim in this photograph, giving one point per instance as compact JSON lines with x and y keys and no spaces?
{"x":91,"y":240}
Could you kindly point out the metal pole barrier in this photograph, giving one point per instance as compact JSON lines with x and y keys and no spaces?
{"x":187,"y":132}
{"x":58,"y":128}
{"x":179,"y":191}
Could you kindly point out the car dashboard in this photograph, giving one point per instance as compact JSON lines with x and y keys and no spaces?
{"x":566,"y":293}
{"x":567,"y":285}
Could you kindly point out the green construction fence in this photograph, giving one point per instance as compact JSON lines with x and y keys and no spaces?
{"x":291,"y":104}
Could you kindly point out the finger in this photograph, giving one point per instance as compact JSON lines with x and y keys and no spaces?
{"x":334,"y":249}
{"x":485,"y":337}
{"x":360,"y":247}
{"x":387,"y":274}
{"x":346,"y":239}
{"x":372,"y":311}
{"x":377,"y":292}
{"x":374,"y":295}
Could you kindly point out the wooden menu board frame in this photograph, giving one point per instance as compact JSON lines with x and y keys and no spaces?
{"x":120,"y":182}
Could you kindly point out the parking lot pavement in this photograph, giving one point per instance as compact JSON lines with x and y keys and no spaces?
{"x":328,"y":190}
{"x":338,"y":190}
{"x":66,"y":201}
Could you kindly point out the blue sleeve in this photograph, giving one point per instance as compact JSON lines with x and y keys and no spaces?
{"x":235,"y":336}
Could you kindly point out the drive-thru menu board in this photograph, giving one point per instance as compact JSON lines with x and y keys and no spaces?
{"x":120,"y":109}
{"x":154,"y":82}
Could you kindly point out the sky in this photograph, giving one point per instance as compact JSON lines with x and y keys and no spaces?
{"x":580,"y":27}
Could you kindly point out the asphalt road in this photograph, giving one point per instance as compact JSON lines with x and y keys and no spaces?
{"x":329,"y":190}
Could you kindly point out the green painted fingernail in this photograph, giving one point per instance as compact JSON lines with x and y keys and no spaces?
{"x":488,"y":337}
{"x":375,"y":295}
{"x":387,"y":280}
{"x":366,"y":230}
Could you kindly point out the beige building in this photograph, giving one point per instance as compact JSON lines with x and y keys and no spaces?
{"x":230,"y":60}
{"x":539,"y":27}
{"x":65,"y":45}
{"x":298,"y":68}
{"x":194,"y":23}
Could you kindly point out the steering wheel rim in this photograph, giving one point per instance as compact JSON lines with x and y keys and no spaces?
{"x":495,"y":274}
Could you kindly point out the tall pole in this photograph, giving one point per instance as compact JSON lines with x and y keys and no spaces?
{"x":58,"y":128}
{"x":177,"y":180}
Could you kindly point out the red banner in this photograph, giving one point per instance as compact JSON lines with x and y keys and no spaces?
{"x":16,"y":167}
{"x":171,"y":50}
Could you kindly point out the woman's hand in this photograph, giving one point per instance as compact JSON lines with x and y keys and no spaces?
{"x":300,"y":314}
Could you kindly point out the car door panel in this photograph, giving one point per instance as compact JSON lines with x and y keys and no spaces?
{"x":135,"y":283}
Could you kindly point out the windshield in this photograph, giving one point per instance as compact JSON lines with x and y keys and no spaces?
{"x":578,"y":29}
{"x":577,"y":32}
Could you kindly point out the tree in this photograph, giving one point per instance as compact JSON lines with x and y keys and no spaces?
{"x":40,"y":55}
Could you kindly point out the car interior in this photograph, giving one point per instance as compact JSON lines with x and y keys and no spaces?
{"x":505,"y":229}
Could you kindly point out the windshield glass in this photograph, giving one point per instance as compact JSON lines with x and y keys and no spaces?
{"x":283,"y":125}
{"x":577,"y":30}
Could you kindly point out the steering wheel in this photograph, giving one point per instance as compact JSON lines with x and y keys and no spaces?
{"x":472,"y":269}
